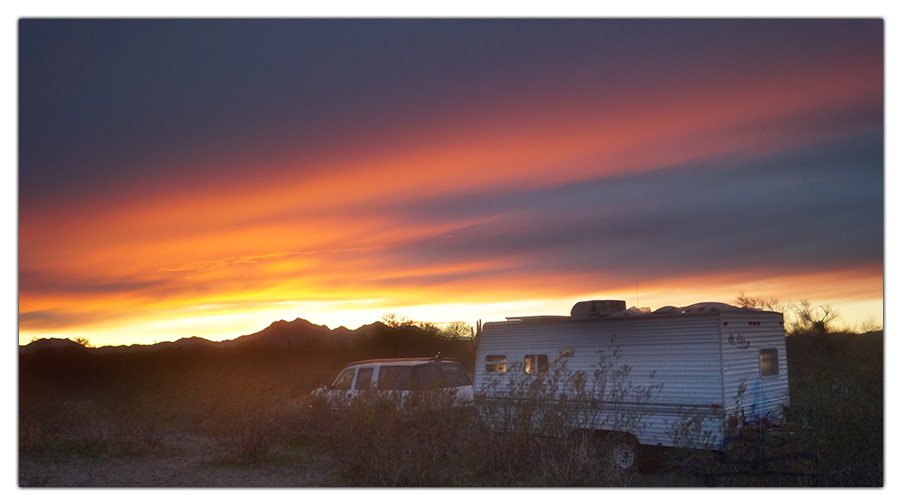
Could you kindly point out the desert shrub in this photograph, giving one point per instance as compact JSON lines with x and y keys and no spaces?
{"x":89,"y":427}
{"x":545,"y":423}
{"x":246,"y":436}
{"x":385,"y":440}
{"x":837,"y":405}
{"x":533,"y":435}
{"x":519,"y":458}
{"x":250,"y":425}
{"x":560,"y":401}
{"x":752,"y":453}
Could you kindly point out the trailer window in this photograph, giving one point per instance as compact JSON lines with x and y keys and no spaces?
{"x":495,"y":363}
{"x":768,"y":362}
{"x":536,"y":363}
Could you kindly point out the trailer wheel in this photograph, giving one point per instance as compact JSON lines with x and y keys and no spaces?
{"x":624,"y":453}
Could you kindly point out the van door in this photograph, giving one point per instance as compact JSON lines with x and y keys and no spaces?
{"x":364,"y":379}
{"x":361,"y":383}
{"x":342,"y":389}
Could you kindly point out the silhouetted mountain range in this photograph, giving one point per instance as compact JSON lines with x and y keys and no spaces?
{"x":281,"y":334}
{"x":290,"y":342}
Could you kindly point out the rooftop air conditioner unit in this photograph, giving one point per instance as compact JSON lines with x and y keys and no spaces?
{"x":596,"y":308}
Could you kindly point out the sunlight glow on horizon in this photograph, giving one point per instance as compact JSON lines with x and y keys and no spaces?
{"x":228,"y":321}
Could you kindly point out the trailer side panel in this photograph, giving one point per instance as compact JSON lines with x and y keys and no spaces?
{"x":678,"y":354}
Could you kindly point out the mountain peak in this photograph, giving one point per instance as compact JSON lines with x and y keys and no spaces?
{"x":51,"y":343}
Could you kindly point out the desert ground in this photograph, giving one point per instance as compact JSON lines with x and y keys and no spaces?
{"x":247,"y":419}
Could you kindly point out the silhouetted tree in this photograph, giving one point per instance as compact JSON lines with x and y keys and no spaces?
{"x":457,"y":330}
{"x":395,"y":320}
{"x":870,"y":324}
{"x":799,"y":319}
{"x":810,"y":320}
{"x":758,"y":302}
{"x":84,"y":341}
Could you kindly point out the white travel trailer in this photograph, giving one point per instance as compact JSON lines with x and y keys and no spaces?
{"x":677,"y":376}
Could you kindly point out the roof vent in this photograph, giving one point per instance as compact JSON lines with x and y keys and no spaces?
{"x":596,"y":308}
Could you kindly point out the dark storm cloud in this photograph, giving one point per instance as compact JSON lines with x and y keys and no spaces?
{"x":110,"y":103}
{"x":31,"y":281}
{"x":102,"y":101}
{"x":52,"y":318}
{"x":55,"y":318}
{"x":808,"y":209}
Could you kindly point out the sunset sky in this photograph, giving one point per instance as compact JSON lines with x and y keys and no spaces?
{"x":206,"y":178}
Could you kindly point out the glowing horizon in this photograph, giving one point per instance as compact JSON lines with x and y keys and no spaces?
{"x":207,"y":320}
{"x":511,"y":173}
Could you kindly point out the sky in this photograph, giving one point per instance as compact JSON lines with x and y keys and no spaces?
{"x":186,"y":178}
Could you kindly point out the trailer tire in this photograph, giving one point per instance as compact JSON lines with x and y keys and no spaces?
{"x":624,"y":453}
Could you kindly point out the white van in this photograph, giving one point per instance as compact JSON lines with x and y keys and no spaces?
{"x":400,"y":377}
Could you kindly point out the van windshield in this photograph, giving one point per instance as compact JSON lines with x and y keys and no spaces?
{"x":455,"y":375}
{"x":344,"y":380}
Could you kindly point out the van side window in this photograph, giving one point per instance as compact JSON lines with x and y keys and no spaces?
{"x":395,"y":378}
{"x":428,"y":376}
{"x":536,"y":363}
{"x":768,"y":362}
{"x":495,"y":363}
{"x":364,"y":379}
{"x":345,"y":380}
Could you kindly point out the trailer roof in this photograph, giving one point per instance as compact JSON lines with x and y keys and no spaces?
{"x":634,"y":312}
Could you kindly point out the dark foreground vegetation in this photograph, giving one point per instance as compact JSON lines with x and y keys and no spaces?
{"x":253,"y":404}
